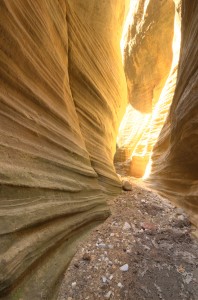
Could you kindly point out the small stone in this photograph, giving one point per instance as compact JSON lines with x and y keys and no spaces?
{"x":86,"y":257}
{"x":104,"y":279}
{"x":102,"y":245}
{"x":120,"y":285}
{"x":148,"y":226}
{"x":124,"y":268}
{"x":111,"y":277}
{"x":108,"y":295}
{"x":76,"y":265}
{"x":180,"y":269}
{"x":181,"y":218}
{"x":126,"y":186}
{"x":73,"y":284}
{"x":126,"y":226}
{"x":179,"y":211}
{"x":69,"y":298}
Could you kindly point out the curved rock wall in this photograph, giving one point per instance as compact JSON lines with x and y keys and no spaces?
{"x":175,"y":160}
{"x":148,"y":51}
{"x":97,"y":80}
{"x":61,"y":90}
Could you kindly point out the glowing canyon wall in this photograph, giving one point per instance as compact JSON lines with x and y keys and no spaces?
{"x":150,"y":44}
{"x":62,"y":96}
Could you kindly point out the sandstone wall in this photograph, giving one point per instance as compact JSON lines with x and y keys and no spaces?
{"x":62,"y":95}
{"x":175,"y":160}
{"x":148,"y":51}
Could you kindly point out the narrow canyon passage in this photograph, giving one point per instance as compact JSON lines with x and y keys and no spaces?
{"x":151,"y":73}
{"x":144,"y":251}
{"x":67,"y":94}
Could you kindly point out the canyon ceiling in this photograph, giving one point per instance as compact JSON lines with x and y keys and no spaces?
{"x":63,"y":94}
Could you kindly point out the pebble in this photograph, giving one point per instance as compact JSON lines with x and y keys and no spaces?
{"x":104,"y":279}
{"x":86,"y":257}
{"x":73,"y":284}
{"x":120,"y":285}
{"x":101,"y":245}
{"x":126,"y":226}
{"x":108,"y":295}
{"x":126,"y":186}
{"x":124,"y":268}
{"x":181,"y":218}
{"x":148,"y":226}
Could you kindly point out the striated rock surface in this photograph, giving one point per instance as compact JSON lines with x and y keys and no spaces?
{"x":61,"y":90}
{"x":97,"y":80}
{"x":175,"y":161}
{"x":148,"y":51}
{"x":150,"y":59}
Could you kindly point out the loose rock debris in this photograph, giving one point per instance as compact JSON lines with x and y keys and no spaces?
{"x":145,"y":250}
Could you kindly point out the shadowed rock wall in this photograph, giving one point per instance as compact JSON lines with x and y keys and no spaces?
{"x":175,"y":158}
{"x":62,"y":95}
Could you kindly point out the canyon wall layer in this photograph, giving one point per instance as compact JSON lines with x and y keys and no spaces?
{"x":62,"y":96}
{"x":174,"y":171}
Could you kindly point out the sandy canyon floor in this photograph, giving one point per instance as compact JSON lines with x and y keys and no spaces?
{"x":144,"y":250}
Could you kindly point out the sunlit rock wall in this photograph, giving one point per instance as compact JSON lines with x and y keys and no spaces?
{"x":175,"y":159}
{"x":130,"y":132}
{"x":62,"y":95}
{"x":147,"y":51}
{"x":149,"y":59}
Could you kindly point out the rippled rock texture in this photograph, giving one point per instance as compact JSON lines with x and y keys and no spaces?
{"x":175,"y":158}
{"x":62,"y":96}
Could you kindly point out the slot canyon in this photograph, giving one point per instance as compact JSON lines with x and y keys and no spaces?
{"x":88,"y":87}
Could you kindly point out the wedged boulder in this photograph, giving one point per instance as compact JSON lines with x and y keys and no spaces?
{"x":126,"y":185}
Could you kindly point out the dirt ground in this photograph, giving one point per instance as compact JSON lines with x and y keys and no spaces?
{"x":144,"y":250}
